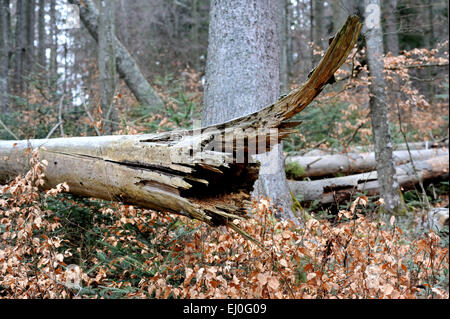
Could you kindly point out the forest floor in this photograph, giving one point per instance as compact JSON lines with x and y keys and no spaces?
{"x":56,"y":245}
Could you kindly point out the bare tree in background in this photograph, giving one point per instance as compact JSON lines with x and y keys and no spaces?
{"x":389,"y":188}
{"x":41,"y":36}
{"x":242,"y":76}
{"x":20,"y":47}
{"x":390,"y":6}
{"x":318,"y":27}
{"x":30,"y":20}
{"x":107,"y":64}
{"x":5,"y":31}
{"x":283,"y":27}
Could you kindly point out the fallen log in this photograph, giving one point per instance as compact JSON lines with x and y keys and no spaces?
{"x":329,"y":190}
{"x":205,"y":174}
{"x":351,"y":163}
{"x":425,"y":145}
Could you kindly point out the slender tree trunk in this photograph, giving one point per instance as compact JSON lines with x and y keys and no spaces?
{"x":5,"y":30}
{"x":390,"y":6}
{"x":126,"y":65}
{"x":54,"y":43}
{"x":339,"y":9}
{"x":318,"y":28}
{"x":283,"y":40}
{"x":195,"y":34}
{"x":41,"y":36}
{"x":30,"y":23}
{"x":20,"y":50}
{"x":107,"y":64}
{"x":389,"y":188}
{"x":242,"y":73}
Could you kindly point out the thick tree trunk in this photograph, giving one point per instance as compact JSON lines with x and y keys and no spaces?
{"x":5,"y":31}
{"x":350,"y":163}
{"x":205,"y":175}
{"x":379,"y":109}
{"x":242,"y":73}
{"x":107,"y":65}
{"x":390,"y":6}
{"x":330,"y":190}
{"x":126,"y":65}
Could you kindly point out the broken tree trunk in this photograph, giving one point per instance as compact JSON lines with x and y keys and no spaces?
{"x":329,"y":190}
{"x":205,"y":174}
{"x":350,"y":163}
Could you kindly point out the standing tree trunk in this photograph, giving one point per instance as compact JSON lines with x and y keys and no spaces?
{"x":54,"y":44}
{"x":195,"y":24}
{"x":389,"y":188}
{"x":391,"y":26}
{"x":126,"y":66}
{"x":107,"y":64}
{"x":30,"y":22}
{"x":318,"y":29}
{"x":283,"y":28}
{"x":41,"y":36}
{"x":20,"y":50}
{"x":339,"y":13}
{"x":242,"y":73}
{"x":5,"y":31}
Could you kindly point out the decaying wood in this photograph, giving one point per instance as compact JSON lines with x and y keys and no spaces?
{"x":327,"y":191}
{"x":181,"y":171}
{"x":351,"y":163}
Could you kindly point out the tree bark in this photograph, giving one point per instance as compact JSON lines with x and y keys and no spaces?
{"x":379,"y":109}
{"x":126,"y":65}
{"x":5,"y":31}
{"x":184,"y":172}
{"x":330,"y":190}
{"x":350,"y":163}
{"x":107,"y":65}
